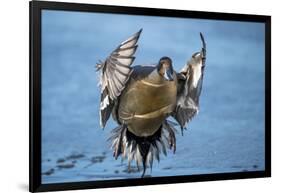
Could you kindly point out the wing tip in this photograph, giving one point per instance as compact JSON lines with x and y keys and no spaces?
{"x":203,"y":48}
{"x":134,"y":38}
{"x":139,"y":32}
{"x":137,"y":35}
{"x":202,"y":37}
{"x":203,"y":40}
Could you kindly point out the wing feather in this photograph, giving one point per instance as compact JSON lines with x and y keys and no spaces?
{"x":128,"y":51}
{"x":115,"y":72}
{"x":189,"y":88}
{"x":129,"y":42}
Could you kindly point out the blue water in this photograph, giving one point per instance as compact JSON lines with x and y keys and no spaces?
{"x":226,"y":136}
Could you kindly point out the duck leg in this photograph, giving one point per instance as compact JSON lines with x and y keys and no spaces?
{"x":144,"y":149}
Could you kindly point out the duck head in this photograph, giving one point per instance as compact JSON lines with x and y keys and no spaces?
{"x":165,"y":68}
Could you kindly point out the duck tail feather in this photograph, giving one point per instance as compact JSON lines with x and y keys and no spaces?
{"x":169,"y":130}
{"x":143,"y":150}
{"x":118,"y":140}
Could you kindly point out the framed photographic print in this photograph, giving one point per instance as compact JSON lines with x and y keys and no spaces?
{"x":125,"y":96}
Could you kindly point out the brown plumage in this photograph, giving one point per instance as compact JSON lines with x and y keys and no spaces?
{"x":141,"y":98}
{"x":144,"y":87}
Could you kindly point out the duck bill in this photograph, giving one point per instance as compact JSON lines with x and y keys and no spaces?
{"x":168,"y":74}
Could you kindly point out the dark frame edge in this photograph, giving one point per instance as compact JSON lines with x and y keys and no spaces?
{"x":268,"y":96}
{"x":30,"y":101}
{"x":150,"y":181}
{"x":35,"y":96}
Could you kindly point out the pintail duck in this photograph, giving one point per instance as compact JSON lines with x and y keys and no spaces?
{"x":141,"y":98}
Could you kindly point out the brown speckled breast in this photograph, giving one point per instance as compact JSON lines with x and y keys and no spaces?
{"x":146,"y":101}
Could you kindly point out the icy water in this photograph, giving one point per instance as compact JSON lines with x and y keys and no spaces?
{"x":226,"y":136}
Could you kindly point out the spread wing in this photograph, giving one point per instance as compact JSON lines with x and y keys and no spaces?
{"x":115,"y":72}
{"x":190,"y":81}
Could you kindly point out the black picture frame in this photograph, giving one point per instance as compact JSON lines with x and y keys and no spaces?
{"x":35,"y":184}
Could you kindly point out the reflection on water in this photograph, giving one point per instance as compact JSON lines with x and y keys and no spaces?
{"x":226,"y":136}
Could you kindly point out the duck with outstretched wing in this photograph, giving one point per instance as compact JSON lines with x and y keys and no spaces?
{"x":141,"y":98}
